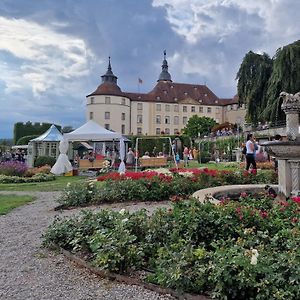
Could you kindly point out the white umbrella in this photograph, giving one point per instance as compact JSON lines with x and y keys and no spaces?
{"x":122,"y":167}
{"x":62,"y":164}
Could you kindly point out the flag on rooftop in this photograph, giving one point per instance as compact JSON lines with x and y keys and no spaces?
{"x":140,"y":80}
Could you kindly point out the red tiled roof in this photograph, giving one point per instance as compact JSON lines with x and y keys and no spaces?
{"x":171,"y":92}
{"x":107,"y":88}
{"x":168,"y":92}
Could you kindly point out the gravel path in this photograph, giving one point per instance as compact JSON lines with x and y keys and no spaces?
{"x":28,"y":271}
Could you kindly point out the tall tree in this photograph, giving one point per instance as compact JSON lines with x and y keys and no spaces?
{"x":199,"y":125}
{"x":253,"y":77}
{"x":285,"y":77}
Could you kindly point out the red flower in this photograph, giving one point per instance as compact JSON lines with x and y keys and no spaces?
{"x":254,"y":171}
{"x":296,"y":199}
{"x":294,"y":220}
{"x":263,"y":214}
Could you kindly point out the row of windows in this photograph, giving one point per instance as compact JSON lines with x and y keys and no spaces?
{"x":107,"y":116}
{"x":168,"y":106}
{"x":166,"y":120}
{"x":158,"y":118}
{"x":176,"y":108}
{"x":108,"y":100}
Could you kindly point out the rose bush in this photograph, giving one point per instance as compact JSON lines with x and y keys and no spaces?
{"x":245,"y":249}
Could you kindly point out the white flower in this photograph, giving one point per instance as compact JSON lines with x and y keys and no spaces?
{"x":186,"y":174}
{"x":254,"y":257}
{"x":90,"y":192}
{"x":124,"y":220}
{"x":68,"y":184}
{"x":122,"y":211}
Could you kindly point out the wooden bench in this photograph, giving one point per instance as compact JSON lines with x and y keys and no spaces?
{"x":95,"y":164}
{"x":153,"y":162}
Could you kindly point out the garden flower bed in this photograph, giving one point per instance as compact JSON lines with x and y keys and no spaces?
{"x":246,"y":249}
{"x":18,"y":172}
{"x":155,"y":185}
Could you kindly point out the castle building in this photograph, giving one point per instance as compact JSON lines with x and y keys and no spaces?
{"x":166,"y":109}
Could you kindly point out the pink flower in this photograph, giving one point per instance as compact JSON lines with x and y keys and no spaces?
{"x":294,"y":220}
{"x":243,"y":194}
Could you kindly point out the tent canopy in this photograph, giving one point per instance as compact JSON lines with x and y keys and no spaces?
{"x":92,"y":131}
{"x":51,"y":135}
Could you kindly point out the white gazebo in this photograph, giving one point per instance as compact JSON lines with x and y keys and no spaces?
{"x":46,"y":144}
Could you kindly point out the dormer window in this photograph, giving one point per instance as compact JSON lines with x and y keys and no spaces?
{"x":175,"y":99}
{"x":172,"y":87}
{"x":185,"y":93}
{"x":139,"y":97}
{"x":165,"y":92}
{"x":205,"y":95}
{"x":157,"y":98}
{"x":200,"y":101}
{"x":216,"y":101}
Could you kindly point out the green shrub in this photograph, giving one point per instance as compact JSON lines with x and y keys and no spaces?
{"x":78,"y":194}
{"x":44,"y":160}
{"x":246,"y":249}
{"x":35,"y":178}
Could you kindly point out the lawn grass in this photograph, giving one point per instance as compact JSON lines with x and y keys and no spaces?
{"x":9,"y":202}
{"x":229,"y":166}
{"x":48,"y":186}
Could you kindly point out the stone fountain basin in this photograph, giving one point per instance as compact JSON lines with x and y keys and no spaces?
{"x":283,"y":149}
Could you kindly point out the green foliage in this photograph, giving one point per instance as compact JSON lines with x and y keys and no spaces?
{"x":35,"y":178}
{"x":156,"y":188}
{"x":199,"y":125}
{"x":78,"y":194}
{"x":25,"y":139}
{"x":261,"y":79}
{"x":285,"y":77}
{"x":253,"y":77}
{"x":44,"y":160}
{"x":246,"y":249}
{"x":21,"y":129}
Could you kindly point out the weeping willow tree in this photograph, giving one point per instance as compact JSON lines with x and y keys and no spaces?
{"x":285,"y":77}
{"x":261,"y":79}
{"x":253,"y":77}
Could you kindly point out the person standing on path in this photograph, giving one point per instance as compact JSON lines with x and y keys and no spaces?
{"x":250,"y":153}
{"x":186,"y":156}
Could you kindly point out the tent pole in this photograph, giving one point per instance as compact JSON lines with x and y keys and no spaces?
{"x":136,"y":152}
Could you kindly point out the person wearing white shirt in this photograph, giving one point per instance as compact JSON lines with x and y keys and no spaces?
{"x":250,"y":154}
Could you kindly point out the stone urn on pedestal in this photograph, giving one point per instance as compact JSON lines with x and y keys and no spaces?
{"x":288,"y":152}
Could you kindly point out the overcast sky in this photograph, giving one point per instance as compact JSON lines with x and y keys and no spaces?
{"x":53,"y":52}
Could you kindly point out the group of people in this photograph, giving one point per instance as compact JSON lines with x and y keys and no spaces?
{"x":190,"y":154}
{"x":18,"y":155}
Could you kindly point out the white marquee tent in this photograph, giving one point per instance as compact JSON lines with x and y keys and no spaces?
{"x":90,"y":131}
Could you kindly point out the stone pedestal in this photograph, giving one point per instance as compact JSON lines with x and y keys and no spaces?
{"x":284,"y":177}
{"x":295,"y":171}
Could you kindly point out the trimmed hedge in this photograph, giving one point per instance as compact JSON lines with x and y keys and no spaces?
{"x":44,"y":160}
